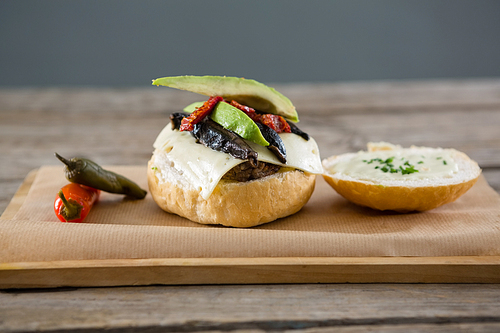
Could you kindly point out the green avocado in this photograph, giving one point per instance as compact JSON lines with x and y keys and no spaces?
{"x":193,"y":106}
{"x":237,"y":121}
{"x":247,"y":92}
{"x":234,"y":119}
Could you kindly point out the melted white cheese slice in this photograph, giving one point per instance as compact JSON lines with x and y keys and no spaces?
{"x":204,"y":167}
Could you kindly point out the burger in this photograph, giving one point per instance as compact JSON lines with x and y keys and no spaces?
{"x":236,"y":158}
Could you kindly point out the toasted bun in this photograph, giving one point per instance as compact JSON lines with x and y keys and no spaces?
{"x":235,"y":204}
{"x":403,"y":195}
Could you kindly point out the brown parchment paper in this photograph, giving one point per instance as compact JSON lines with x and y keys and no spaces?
{"x":328,"y":225}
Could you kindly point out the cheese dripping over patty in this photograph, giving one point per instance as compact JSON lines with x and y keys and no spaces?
{"x":203,"y":167}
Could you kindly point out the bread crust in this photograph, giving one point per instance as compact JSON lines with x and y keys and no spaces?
{"x":402,"y":198}
{"x":235,"y":204}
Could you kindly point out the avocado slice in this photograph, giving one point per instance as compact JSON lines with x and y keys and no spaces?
{"x":233,"y":119}
{"x":193,"y":106}
{"x":245,"y":91}
{"x":237,"y":121}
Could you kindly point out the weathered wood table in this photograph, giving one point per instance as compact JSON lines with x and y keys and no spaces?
{"x":118,"y":127}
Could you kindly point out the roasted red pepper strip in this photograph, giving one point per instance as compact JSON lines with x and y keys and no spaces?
{"x":74,"y":201}
{"x":277,"y":123}
{"x":200,"y":113}
{"x":250,"y":112}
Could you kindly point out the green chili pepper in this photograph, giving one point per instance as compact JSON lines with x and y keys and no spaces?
{"x":86,"y":172}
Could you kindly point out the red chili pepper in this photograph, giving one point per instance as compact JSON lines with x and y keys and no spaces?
{"x":276,"y":122}
{"x":74,"y":201}
{"x":200,"y":113}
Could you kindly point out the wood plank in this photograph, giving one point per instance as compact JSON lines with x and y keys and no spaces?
{"x":405,"y":328}
{"x":174,"y":271}
{"x":363,"y":96}
{"x":252,"y":307}
{"x":390,"y":96}
{"x":18,"y":199}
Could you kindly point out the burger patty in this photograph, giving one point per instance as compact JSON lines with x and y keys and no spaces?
{"x":244,"y":171}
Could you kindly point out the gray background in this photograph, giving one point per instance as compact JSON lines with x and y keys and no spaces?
{"x":127,"y":43}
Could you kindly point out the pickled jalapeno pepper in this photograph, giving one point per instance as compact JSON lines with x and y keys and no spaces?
{"x":86,"y":172}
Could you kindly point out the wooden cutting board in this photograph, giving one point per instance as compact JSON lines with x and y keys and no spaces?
{"x":174,"y":271}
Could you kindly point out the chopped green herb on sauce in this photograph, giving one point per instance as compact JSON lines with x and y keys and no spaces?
{"x":388,"y":166}
{"x":398,"y":165}
{"x":409,"y":170}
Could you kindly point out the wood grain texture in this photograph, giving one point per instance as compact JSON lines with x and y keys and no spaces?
{"x":18,"y":199}
{"x":253,"y":307}
{"x":188,"y":271}
{"x":118,"y":126}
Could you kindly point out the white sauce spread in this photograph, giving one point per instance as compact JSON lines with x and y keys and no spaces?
{"x":401,"y":164}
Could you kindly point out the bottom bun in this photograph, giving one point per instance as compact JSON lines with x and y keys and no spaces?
{"x":404,"y":196}
{"x":234,"y":204}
